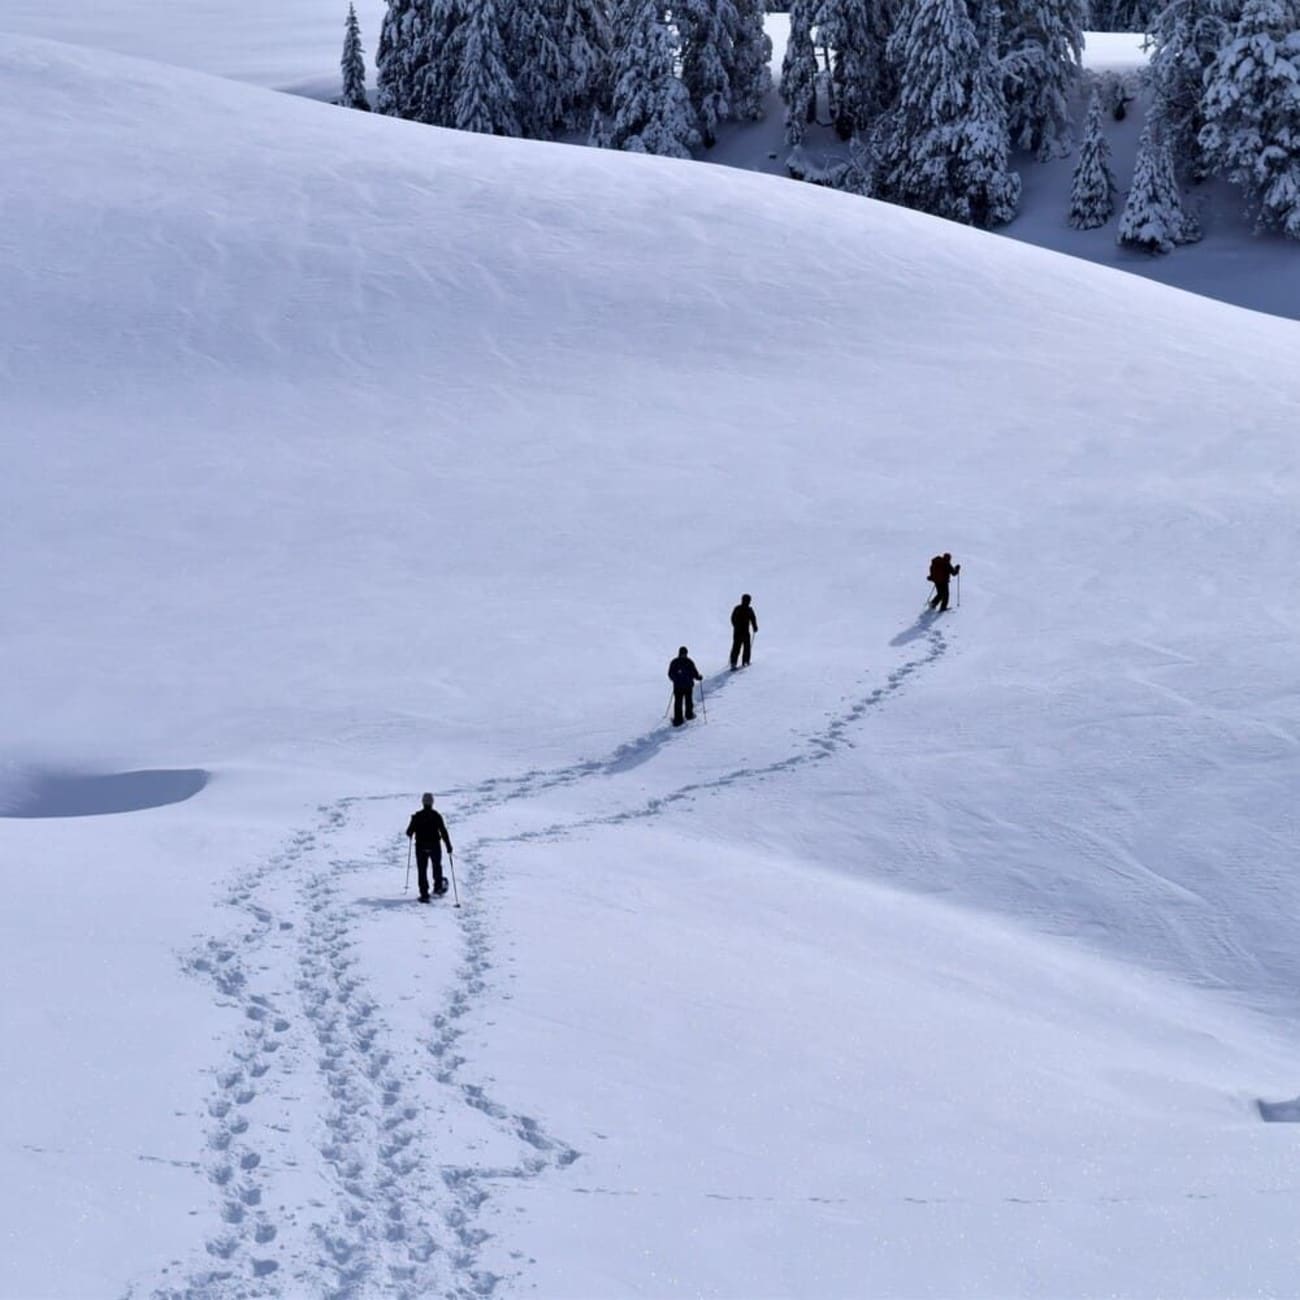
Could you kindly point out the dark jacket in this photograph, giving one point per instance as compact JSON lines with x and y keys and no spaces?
{"x":428,"y":828}
{"x":941,"y":570}
{"x":743,"y":618}
{"x":683,"y":673}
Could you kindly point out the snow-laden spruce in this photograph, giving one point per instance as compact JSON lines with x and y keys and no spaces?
{"x":1123,"y":15}
{"x":1043,"y":48}
{"x":1186,"y":38}
{"x":1252,"y":112}
{"x":704,"y":28}
{"x":799,"y":71}
{"x":651,"y":111}
{"x":748,"y":60}
{"x":1092,"y":193}
{"x":353,"y":65}
{"x":1153,"y":219}
{"x":585,"y":40}
{"x":537,"y":65}
{"x":944,"y":148}
{"x":862,"y":81}
{"x":399,"y":60}
{"x":483,"y":93}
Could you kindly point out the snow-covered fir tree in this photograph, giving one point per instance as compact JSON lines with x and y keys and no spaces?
{"x":1252,"y":112}
{"x":945,"y":147}
{"x":862,"y":78}
{"x":704,"y":28}
{"x":586,"y":42}
{"x":537,"y":65}
{"x":748,"y":60}
{"x":440,"y":51}
{"x":353,"y":65}
{"x":1042,"y":42}
{"x":1123,"y":15}
{"x":1092,"y":195}
{"x":651,"y":111}
{"x":1152,"y":219}
{"x":399,"y":60}
{"x":484,"y":94}
{"x":799,"y":71}
{"x":1186,"y":37}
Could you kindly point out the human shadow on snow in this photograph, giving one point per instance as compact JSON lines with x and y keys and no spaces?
{"x":633,"y":753}
{"x":924,"y":622}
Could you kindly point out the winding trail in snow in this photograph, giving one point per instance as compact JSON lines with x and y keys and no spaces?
{"x":316,"y":1055}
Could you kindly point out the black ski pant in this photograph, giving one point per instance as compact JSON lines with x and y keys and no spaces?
{"x":742,"y":645}
{"x":683,"y":699}
{"x":423,"y":855}
{"x":940,"y":600}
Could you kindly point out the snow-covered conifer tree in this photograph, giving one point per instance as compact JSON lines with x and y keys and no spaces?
{"x":440,"y":50}
{"x":749,"y":59}
{"x":399,"y":60}
{"x":1123,"y":15}
{"x":1252,"y":112}
{"x":799,"y":71}
{"x":704,"y":28}
{"x":353,"y":65}
{"x":944,"y":148}
{"x":859,"y":31}
{"x":537,"y":65}
{"x":651,"y":110}
{"x":484,"y":93}
{"x":1149,"y":221}
{"x":1092,"y":195}
{"x":1186,"y":37}
{"x":585,"y":39}
{"x":1043,"y":47}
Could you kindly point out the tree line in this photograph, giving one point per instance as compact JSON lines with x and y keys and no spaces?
{"x":932,"y":96}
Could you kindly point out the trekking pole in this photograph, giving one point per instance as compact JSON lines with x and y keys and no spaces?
{"x":409,"y":845}
{"x":958,"y":591}
{"x":704,"y":703}
{"x":455,"y":893}
{"x":668,"y":708}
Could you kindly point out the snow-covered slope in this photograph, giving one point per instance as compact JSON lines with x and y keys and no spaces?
{"x":347,"y":458}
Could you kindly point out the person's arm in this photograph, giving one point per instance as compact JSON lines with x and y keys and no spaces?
{"x":442,"y":829}
{"x":753,"y":620}
{"x":410,"y":829}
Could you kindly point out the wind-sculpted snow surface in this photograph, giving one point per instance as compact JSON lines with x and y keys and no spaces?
{"x":952,"y":954}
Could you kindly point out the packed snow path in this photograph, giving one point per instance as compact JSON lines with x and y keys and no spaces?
{"x":316,"y":1048}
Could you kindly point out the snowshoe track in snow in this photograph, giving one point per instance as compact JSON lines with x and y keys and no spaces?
{"x":398,"y":1220}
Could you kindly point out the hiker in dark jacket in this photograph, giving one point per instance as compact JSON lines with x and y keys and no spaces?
{"x":743,"y":624}
{"x":942,"y":571}
{"x":430,"y":833}
{"x":683,"y":674}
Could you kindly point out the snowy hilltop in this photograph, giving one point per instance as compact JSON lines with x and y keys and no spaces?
{"x":351,"y":458}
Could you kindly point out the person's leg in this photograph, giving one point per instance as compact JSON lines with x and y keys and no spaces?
{"x":942,"y":596}
{"x":736,"y":646}
{"x":690,"y":702}
{"x":422,"y":865}
{"x":679,"y":697}
{"x":439,"y":881}
{"x":748,"y":648}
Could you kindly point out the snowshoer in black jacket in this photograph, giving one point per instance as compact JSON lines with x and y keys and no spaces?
{"x":430,"y":833}
{"x":743,"y":624}
{"x":683,"y":674}
{"x":942,"y":571}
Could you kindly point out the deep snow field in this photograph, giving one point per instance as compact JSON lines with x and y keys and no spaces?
{"x":346,"y":458}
